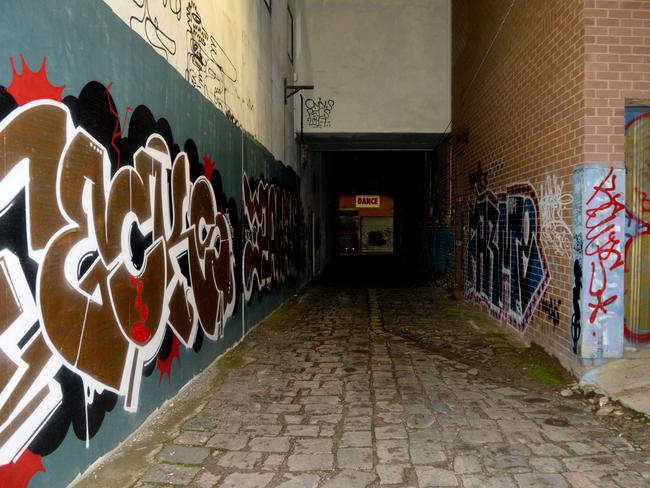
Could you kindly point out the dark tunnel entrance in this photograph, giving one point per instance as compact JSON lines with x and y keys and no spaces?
{"x":377,"y":208}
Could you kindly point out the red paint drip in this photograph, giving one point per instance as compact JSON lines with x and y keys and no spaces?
{"x":165,"y":366}
{"x":144,"y":312}
{"x":20,"y":472}
{"x":117,"y":130}
{"x":32,"y":85}
{"x":140,"y":333}
{"x":208,"y":166}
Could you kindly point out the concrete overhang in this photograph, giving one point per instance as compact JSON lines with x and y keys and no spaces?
{"x":375,"y":141}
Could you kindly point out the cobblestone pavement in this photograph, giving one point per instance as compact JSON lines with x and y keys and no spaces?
{"x":334,"y":396}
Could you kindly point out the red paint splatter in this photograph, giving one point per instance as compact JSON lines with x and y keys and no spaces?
{"x":140,"y":333}
{"x":165,"y":365}
{"x":208,"y":166}
{"x":117,"y":130}
{"x":18,"y":473}
{"x":32,"y":85}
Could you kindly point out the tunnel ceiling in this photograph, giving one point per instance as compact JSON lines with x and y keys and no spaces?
{"x":372,"y":141}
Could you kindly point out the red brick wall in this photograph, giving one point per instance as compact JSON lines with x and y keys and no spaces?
{"x":617,"y":67}
{"x":519,"y":111}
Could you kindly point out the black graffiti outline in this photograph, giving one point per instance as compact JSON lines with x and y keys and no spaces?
{"x":165,"y":44}
{"x":319,"y":112}
{"x":202,"y":64}
{"x":176,"y":11}
{"x":551,"y":308}
{"x":576,"y":318}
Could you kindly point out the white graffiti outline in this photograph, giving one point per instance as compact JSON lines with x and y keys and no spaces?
{"x":20,"y":335}
{"x":10,"y":341}
{"x":557,"y":236}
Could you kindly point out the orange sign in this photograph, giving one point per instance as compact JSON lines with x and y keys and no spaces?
{"x":367,"y":201}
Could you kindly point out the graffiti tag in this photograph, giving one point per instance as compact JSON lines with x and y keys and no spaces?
{"x":506,"y":267}
{"x":603,"y":241}
{"x":556,"y":234}
{"x":319,"y":112}
{"x":271,"y":222}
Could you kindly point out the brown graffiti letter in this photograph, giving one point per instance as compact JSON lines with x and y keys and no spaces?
{"x":210,"y":269}
{"x":39,"y":134}
{"x":78,"y":317}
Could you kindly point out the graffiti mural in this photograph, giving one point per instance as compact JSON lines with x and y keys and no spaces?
{"x":599,"y":248}
{"x":637,"y":225}
{"x":556,"y":234}
{"x":319,"y":112}
{"x":272,"y":217}
{"x":506,"y":270}
{"x":106,"y":268}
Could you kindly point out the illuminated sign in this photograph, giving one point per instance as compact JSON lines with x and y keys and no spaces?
{"x":367,"y":201}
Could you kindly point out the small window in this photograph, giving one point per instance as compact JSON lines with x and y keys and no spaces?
{"x":290,"y":34}
{"x":268,"y":5}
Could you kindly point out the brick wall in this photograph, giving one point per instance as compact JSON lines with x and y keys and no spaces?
{"x":617,"y":73}
{"x":518,"y":115}
{"x":617,"y":67}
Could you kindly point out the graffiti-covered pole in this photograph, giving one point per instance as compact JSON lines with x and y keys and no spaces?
{"x":598,"y":228}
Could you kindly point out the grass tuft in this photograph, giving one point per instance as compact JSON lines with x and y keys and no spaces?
{"x":544,"y":374}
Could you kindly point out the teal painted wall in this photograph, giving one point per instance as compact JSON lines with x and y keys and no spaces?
{"x":118,"y":93}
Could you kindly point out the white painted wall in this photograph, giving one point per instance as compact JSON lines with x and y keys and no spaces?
{"x":284,"y":144}
{"x":243,"y":58}
{"x":386,"y":64}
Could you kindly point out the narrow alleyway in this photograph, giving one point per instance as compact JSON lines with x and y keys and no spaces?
{"x":344,"y":388}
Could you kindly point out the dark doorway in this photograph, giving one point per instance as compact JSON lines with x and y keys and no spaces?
{"x":385,"y":248}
